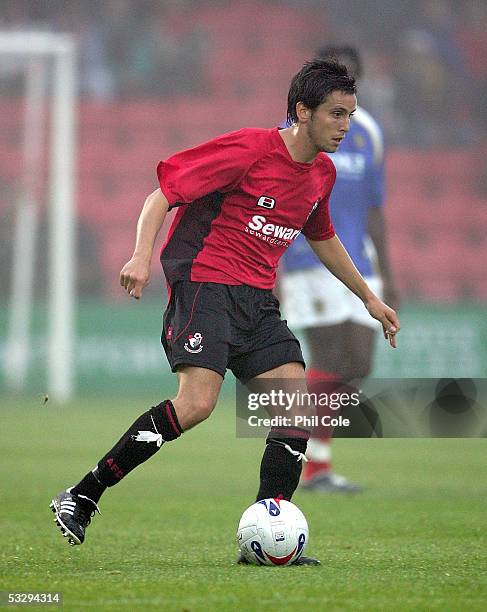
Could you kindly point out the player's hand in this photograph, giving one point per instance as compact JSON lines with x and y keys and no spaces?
{"x":134,"y":276}
{"x":387,"y":316}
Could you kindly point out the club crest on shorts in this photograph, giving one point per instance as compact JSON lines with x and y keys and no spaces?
{"x":193,"y":345}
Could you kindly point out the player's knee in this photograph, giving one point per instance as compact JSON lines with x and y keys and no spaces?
{"x":203,"y":407}
{"x":198,"y":410}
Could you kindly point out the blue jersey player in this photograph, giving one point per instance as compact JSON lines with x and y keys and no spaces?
{"x":339,"y":334}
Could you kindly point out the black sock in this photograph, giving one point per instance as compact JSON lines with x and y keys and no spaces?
{"x":89,"y":486}
{"x":142,"y":440}
{"x":281,"y":464}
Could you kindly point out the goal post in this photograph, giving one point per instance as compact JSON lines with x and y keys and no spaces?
{"x":38,"y":51}
{"x":25,"y":228}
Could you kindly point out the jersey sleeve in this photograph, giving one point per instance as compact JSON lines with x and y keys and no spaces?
{"x":319,"y":225}
{"x":217,"y":165}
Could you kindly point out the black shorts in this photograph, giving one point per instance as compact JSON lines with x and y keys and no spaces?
{"x":217,"y":326}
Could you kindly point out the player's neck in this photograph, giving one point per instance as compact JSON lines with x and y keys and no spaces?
{"x":298,"y":145}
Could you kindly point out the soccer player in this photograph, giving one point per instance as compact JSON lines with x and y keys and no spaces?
{"x":339,"y":333}
{"x":242,"y":199}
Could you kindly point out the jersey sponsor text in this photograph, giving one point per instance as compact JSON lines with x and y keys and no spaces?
{"x":259,"y":227}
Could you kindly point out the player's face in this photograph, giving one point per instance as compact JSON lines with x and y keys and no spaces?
{"x":330,"y":121}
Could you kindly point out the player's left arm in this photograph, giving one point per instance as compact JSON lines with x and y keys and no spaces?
{"x":333,"y":255}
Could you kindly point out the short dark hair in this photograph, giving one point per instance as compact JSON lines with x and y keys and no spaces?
{"x":314,"y":82}
{"x":345,"y":54}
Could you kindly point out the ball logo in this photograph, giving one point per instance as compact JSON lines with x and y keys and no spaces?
{"x":193,"y":345}
{"x":256,"y":547}
{"x":279,"y":536}
{"x":274,"y":509}
{"x":301,"y":543}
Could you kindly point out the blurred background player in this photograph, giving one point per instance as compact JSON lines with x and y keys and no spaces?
{"x":339,"y":334}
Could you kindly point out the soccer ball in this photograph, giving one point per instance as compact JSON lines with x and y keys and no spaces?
{"x":272,"y":532}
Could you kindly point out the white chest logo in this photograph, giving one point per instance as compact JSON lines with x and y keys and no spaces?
{"x":266,"y":202}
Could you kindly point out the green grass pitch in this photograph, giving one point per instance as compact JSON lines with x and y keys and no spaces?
{"x":414,"y":540}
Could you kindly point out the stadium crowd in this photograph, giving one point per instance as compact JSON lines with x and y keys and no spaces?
{"x":426,"y":59}
{"x":157,"y":77}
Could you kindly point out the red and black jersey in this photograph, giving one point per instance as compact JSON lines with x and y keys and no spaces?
{"x":243,"y":200}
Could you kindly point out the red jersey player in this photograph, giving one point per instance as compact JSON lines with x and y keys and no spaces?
{"x":243,"y":198}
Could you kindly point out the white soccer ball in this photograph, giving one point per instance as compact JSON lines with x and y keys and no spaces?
{"x":272,"y":532}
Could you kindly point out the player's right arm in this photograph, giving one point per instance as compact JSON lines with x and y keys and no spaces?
{"x":135,"y":274}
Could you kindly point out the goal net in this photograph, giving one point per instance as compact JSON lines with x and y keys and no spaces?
{"x":37,"y":152}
